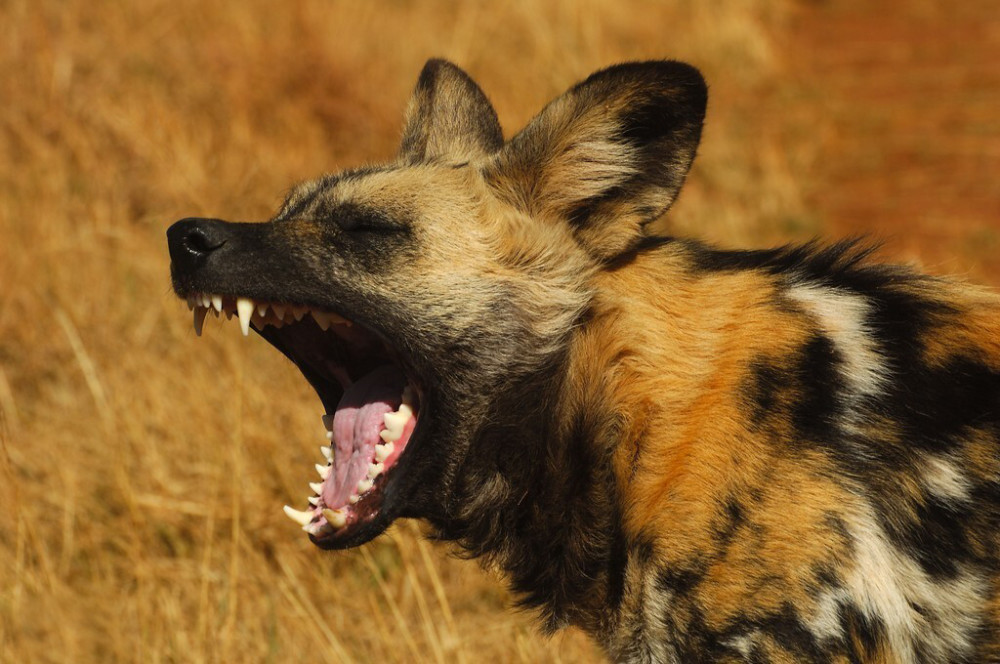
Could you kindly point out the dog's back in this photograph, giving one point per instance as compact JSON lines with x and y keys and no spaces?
{"x":807,"y":447}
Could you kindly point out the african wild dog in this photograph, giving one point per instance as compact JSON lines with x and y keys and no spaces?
{"x":693,"y":454}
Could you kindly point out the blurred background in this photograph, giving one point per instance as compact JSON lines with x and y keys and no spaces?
{"x":142,"y":470}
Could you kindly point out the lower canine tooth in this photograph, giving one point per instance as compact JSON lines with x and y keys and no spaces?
{"x":335,"y":518}
{"x":301,"y":518}
{"x":364,"y":485}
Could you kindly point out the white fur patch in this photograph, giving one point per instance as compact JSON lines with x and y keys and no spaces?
{"x":888,"y":585}
{"x":945,"y":480}
{"x":842,"y":316}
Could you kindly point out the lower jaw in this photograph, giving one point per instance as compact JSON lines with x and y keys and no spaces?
{"x":335,"y":509}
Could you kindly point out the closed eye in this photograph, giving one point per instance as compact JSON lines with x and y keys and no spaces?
{"x":355,"y":218}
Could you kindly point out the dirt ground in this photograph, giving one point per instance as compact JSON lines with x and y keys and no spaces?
{"x":906,"y":97}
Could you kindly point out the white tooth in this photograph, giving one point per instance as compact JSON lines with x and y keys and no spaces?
{"x":279,"y":311}
{"x":199,"y":319}
{"x":395,"y":422}
{"x":317,"y":529}
{"x":262,"y":309}
{"x":329,"y":435}
{"x":324,"y":471}
{"x":375,"y":469}
{"x":327,"y":452}
{"x":313,"y":500}
{"x":364,"y":485}
{"x":354,"y":499}
{"x":244,"y":309}
{"x":321,"y":319}
{"x":328,"y":422}
{"x":299,"y":313}
{"x":317,"y":487}
{"x":217,"y":303}
{"x":388,"y":436}
{"x":383,"y":452}
{"x":301,"y":518}
{"x":205,"y":300}
{"x":404,"y":409}
{"x":335,"y":518}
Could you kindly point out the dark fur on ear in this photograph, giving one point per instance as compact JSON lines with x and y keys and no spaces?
{"x":609,"y":155}
{"x":449,"y":118}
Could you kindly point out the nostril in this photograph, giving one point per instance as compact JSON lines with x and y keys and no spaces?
{"x":193,"y":241}
{"x":199,"y":242}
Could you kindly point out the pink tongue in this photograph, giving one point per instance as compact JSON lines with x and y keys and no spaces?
{"x":356,"y":426}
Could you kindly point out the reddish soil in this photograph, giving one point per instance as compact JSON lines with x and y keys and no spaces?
{"x":906,"y":97}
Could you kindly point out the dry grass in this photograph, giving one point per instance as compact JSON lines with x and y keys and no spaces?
{"x":142,"y":471}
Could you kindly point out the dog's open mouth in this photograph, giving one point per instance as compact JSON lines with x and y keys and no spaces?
{"x":371,"y":405}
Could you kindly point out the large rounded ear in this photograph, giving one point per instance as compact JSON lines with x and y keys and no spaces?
{"x":609,"y":155}
{"x":449,"y":118}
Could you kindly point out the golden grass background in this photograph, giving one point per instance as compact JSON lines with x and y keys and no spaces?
{"x":142,"y":470}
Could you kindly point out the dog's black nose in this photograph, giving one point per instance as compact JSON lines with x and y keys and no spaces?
{"x":192,"y":240}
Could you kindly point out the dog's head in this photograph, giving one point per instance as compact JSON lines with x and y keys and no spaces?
{"x":410,"y":295}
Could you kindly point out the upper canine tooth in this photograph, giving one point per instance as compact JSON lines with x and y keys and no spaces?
{"x":244,"y":309}
{"x":199,"y":319}
{"x":217,"y":303}
{"x":301,"y":518}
